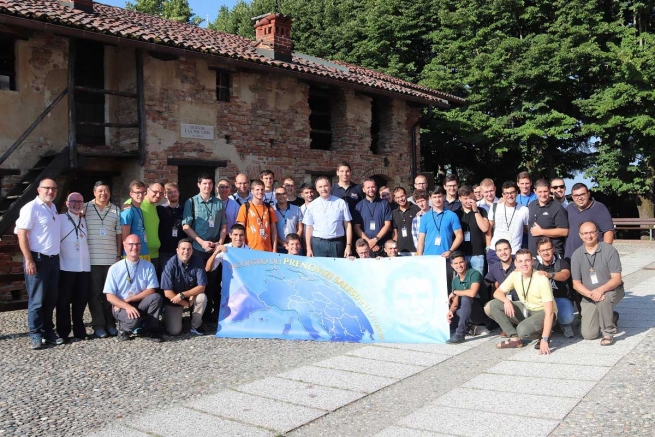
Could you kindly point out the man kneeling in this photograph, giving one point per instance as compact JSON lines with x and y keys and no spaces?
{"x":465,"y":307}
{"x":183,"y":281}
{"x":533,"y":313}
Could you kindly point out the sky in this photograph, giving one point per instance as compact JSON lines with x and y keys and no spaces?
{"x":201,"y":8}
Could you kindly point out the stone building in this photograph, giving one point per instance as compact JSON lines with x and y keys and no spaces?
{"x":91,"y":91}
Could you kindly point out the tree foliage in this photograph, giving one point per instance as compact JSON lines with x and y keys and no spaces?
{"x":177,"y":10}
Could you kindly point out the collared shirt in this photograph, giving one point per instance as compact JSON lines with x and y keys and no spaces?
{"x":604,"y":261}
{"x":74,"y":249}
{"x":327,"y":217}
{"x":303,"y":209}
{"x":470,"y":277}
{"x":548,"y":216}
{"x":42,"y":222}
{"x":508,"y":224}
{"x":371,"y":216}
{"x":438,"y":228}
{"x":483,"y":204}
{"x":498,"y":274}
{"x":287,"y":220}
{"x":126,"y":278}
{"x":402,"y":222}
{"x":596,"y":212}
{"x":219,"y":258}
{"x":525,"y":200}
{"x":269,"y":197}
{"x":181,"y":277}
{"x":452,"y":206}
{"x":170,"y":227}
{"x":231,"y":211}
{"x":564,"y":203}
{"x":416,"y":225}
{"x":103,"y":226}
{"x":205,"y":217}
{"x":352,"y":195}
{"x":474,"y":239}
{"x":133,"y":217}
{"x":240,"y":200}
{"x":533,"y":292}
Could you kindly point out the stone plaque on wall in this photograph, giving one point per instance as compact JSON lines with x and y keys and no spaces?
{"x":197,"y":131}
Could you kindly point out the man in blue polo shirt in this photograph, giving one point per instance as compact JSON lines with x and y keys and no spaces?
{"x":372,"y":218}
{"x":345,"y":189}
{"x":440,"y":232}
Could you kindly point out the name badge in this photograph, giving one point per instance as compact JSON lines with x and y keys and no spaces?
{"x":211,"y":223}
{"x":467,"y":236}
{"x":145,"y":238}
{"x":103,"y":232}
{"x":437,"y":241}
{"x":174,"y":232}
{"x":371,"y":225}
{"x":77,"y":247}
{"x":262,"y":233}
{"x":594,"y":278}
{"x":403,"y":232}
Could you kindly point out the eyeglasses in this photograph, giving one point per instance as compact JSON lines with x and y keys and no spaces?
{"x":577,"y":196}
{"x":510,"y":193}
{"x":75,"y":201}
{"x":546,"y":249}
{"x":223,"y":187}
{"x":139,"y":193}
{"x":558,"y":187}
{"x":160,"y":193}
{"x":289,"y":185}
{"x":451,"y":186}
{"x":586,"y":234}
{"x":133,"y":244}
{"x":49,"y":188}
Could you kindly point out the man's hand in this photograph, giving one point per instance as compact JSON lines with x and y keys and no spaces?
{"x":347,"y":252}
{"x":536,"y":230}
{"x":207,"y":246}
{"x":543,"y":273}
{"x":132,"y":313}
{"x":597,"y":295}
{"x":310,"y":252}
{"x":544,"y":349}
{"x":509,"y":309}
{"x":30,"y":268}
{"x":446,"y":254}
{"x":372,"y":243}
{"x":449,"y":316}
{"x":176,"y":299}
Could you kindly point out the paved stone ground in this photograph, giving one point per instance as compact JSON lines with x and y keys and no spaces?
{"x":207,"y":386}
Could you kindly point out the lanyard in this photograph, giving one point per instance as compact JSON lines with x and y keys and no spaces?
{"x":102,"y":218}
{"x":442,"y":213}
{"x":261,"y":217}
{"x":75,"y":226}
{"x":510,"y":220}
{"x":368,"y":208}
{"x":143,"y":223}
{"x":209,"y":211}
{"x":521,"y":196}
{"x":525,"y":292}
{"x":286,"y":212}
{"x":49,"y":212}
{"x":591,"y":264}
{"x":132,"y":277}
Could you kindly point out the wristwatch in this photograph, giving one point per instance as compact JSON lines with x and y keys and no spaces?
{"x":545,"y":339}
{"x":182,"y":296}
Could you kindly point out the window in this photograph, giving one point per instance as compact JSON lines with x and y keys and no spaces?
{"x":7,"y":63}
{"x":320,"y":118}
{"x":90,"y":107}
{"x":223,"y":85}
{"x":375,"y":125}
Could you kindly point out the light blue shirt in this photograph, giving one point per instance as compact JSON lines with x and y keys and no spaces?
{"x":123,"y":283}
{"x":287,"y":221}
{"x":133,"y":217}
{"x":438,"y":228}
{"x":327,"y":217}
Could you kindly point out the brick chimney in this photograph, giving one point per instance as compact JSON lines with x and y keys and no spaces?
{"x":80,"y":5}
{"x":273,"y":34}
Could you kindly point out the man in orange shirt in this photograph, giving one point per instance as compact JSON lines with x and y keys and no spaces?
{"x":259,"y":220}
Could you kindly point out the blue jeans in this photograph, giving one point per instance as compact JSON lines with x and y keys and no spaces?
{"x":42,"y":291}
{"x":476,"y":262}
{"x":564,"y":310}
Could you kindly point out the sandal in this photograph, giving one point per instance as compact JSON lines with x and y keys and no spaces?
{"x":607,"y":341}
{"x":513,"y":343}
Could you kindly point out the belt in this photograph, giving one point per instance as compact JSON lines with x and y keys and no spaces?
{"x":330,"y":239}
{"x":40,"y":255}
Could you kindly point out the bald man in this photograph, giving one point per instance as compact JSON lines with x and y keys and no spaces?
{"x":243,"y":194}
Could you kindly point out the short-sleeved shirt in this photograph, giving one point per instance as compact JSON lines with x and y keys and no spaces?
{"x":532,"y":292}
{"x":151,"y":223}
{"x":474,"y":239}
{"x":438,"y":225}
{"x":549,"y":216}
{"x":170,"y":227}
{"x":352,"y":195}
{"x":596,"y":212}
{"x":74,"y":249}
{"x":452,"y":206}
{"x":371,"y":215}
{"x":126,"y":278}
{"x":471,"y":277}
{"x":402,"y":222}
{"x":269,"y":197}
{"x":181,"y":277}
{"x":496,"y":272}
{"x":298,"y":201}
{"x":483,"y":204}
{"x":205,"y":217}
{"x":508,"y":224}
{"x":103,"y":227}
{"x":287,"y":220}
{"x":327,"y":217}
{"x":231,"y":211}
{"x":133,"y":217}
{"x":258,"y":219}
{"x":240,"y":200}
{"x":219,"y":258}
{"x":43,"y":223}
{"x":560,"y":288}
{"x":604,"y":261}
{"x":525,"y":200}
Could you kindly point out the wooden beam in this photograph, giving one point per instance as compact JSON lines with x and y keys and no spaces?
{"x":9,"y":171}
{"x":97,"y":123}
{"x":141,"y":106}
{"x":72,"y":127}
{"x":196,"y":162}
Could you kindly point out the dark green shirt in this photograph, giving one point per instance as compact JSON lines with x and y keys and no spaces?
{"x":472,"y":276}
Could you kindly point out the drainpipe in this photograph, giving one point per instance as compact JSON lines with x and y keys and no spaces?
{"x":414,"y":138}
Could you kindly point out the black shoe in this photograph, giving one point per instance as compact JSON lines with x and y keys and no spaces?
{"x":198,"y":331}
{"x":36,"y":343}
{"x":456,"y":339}
{"x":123,"y":336}
{"x":615,"y":319}
{"x":155,"y":337}
{"x":53,"y":339}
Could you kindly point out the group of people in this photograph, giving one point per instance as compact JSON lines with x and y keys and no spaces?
{"x":520,"y":261}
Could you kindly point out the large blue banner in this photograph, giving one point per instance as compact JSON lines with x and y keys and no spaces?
{"x":269,"y":295}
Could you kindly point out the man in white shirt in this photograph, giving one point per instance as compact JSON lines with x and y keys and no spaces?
{"x":38,"y":231}
{"x":238,"y":237}
{"x":223,"y":189}
{"x":488,"y":189}
{"x":508,"y":220}
{"x":243,"y":194}
{"x":75,"y":270}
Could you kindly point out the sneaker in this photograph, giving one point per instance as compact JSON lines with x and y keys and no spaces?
{"x":36,"y":343}
{"x":615,"y":319}
{"x":111,"y":330}
{"x":155,"y":337}
{"x":480,"y":330}
{"x":139,"y":332}
{"x":52,"y":338}
{"x":100,"y":333}
{"x":123,"y":336}
{"x":198,"y":331}
{"x":456,"y":339}
{"x":568,"y":331}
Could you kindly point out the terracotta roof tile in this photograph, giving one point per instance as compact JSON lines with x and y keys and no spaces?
{"x":122,"y":23}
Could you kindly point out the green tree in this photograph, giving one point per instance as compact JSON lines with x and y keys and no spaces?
{"x":177,"y":10}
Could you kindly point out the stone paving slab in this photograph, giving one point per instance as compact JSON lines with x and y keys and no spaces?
{"x":176,"y":422}
{"x":267,"y":413}
{"x":554,"y":371}
{"x":441,"y":349}
{"x":520,"y":404}
{"x":476,"y":423}
{"x":398,"y":356}
{"x":531,"y":385}
{"x":371,"y":367}
{"x":567,"y":355}
{"x":301,"y":393}
{"x":119,"y":431}
{"x":397,"y":431}
{"x":339,"y":379}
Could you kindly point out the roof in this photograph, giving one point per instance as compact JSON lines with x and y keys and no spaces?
{"x":137,"y":26}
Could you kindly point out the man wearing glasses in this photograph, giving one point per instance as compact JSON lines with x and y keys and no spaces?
{"x":38,"y":230}
{"x":223,"y":189}
{"x":133,"y":221}
{"x":558,"y":190}
{"x":596,"y":273}
{"x":451,"y":185}
{"x":420,"y":183}
{"x":289,"y":219}
{"x":153,"y":195}
{"x":508,"y":220}
{"x":170,"y":224}
{"x":585,"y":208}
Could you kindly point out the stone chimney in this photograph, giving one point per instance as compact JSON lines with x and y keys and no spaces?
{"x":80,"y":5}
{"x":273,"y":34}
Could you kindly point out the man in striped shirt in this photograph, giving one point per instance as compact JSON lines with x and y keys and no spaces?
{"x":105,"y":243}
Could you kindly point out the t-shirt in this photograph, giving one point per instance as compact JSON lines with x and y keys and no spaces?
{"x":525,"y":200}
{"x":126,"y":278}
{"x":371,"y":216}
{"x":532,"y":292}
{"x":596,"y":212}
{"x":549,"y":216}
{"x":219,"y":258}
{"x":471,"y":277}
{"x":560,"y":288}
{"x":508,"y":224}
{"x":103,"y":226}
{"x":133,"y":217}
{"x":604,"y":261}
{"x":438,"y":228}
{"x":151,"y":222}
{"x":402,"y":222}
{"x":258,"y":224}
{"x":474,"y":239}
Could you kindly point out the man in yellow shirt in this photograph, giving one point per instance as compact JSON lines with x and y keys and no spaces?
{"x":533,"y":312}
